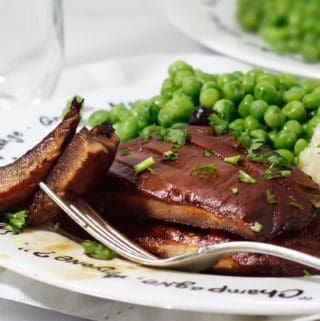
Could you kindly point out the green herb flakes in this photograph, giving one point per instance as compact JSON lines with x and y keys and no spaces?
{"x":295,"y":204}
{"x":207,"y":153}
{"x":271,"y":199}
{"x":97,"y":250}
{"x":235,"y":160}
{"x":174,"y":136}
{"x":315,"y":203}
{"x":257,"y":227}
{"x":124,"y":152}
{"x":17,"y":221}
{"x":208,"y":169}
{"x":246,"y":178}
{"x":218,"y":124}
{"x":145,"y":164}
{"x":170,"y":155}
{"x":272,"y":172}
{"x":234,"y":190}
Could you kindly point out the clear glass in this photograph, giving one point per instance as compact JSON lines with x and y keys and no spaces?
{"x":31,"y":50}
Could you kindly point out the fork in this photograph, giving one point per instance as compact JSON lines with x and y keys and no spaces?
{"x":87,"y":218}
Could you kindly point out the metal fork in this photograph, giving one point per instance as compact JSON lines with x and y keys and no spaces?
{"x":85,"y":216}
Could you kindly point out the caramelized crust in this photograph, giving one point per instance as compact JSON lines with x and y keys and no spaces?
{"x":20,"y":179}
{"x":81,"y":168}
{"x":178,"y":194}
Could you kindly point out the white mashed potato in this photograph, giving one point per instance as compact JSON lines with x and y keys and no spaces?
{"x":309,"y":158}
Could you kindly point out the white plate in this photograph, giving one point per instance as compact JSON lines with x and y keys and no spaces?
{"x":213,"y":24}
{"x":56,"y":260}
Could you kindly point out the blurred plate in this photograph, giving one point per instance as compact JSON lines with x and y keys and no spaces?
{"x":213,"y":24}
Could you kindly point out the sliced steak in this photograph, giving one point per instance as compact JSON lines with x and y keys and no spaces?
{"x":19,"y":180}
{"x":168,"y":240}
{"x":81,"y":168}
{"x":178,"y":193}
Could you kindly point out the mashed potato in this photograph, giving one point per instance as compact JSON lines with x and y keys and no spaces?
{"x":309,"y":158}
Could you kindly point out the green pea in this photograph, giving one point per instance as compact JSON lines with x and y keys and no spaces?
{"x":266,"y":92}
{"x":272,"y":136}
{"x":233,"y":90}
{"x":225,"y":78}
{"x":274,"y":117}
{"x":204,"y":76}
{"x":168,"y":88}
{"x":177,"y":66}
{"x":208,"y":97}
{"x":157,"y":102}
{"x":254,"y":72}
{"x":300,"y":145}
{"x":144,"y":112}
{"x":258,"y":109}
{"x":269,"y":78}
{"x":295,"y":110}
{"x":180,"y":76}
{"x":225,"y":109}
{"x":309,"y":85}
{"x":259,"y":134}
{"x":285,"y":139}
{"x":179,"y":125}
{"x":294,"y":93}
{"x":309,"y":52}
{"x":147,"y":131}
{"x":312,"y":100}
{"x":245,"y":105}
{"x":118,"y":113}
{"x":237,"y":124}
{"x":209,"y":84}
{"x":251,"y":123}
{"x":238,"y":74}
{"x":127,"y":129}
{"x":286,"y":154}
{"x":248,"y":83}
{"x":98,"y":117}
{"x":287,"y":80}
{"x":295,"y":126}
{"x":311,"y":125}
{"x":174,"y":111}
{"x":180,"y":93}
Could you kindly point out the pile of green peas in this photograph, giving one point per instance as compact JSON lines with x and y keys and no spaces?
{"x":280,"y":110}
{"x":291,"y":26}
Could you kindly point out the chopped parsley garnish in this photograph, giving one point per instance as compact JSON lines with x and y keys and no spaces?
{"x":233,"y":159}
{"x":208,"y":169}
{"x":257,"y":227}
{"x":207,"y":153}
{"x":124,"y":152}
{"x":271,"y":172}
{"x":17,"y":221}
{"x":275,"y":160}
{"x":174,"y":136}
{"x":246,"y":178}
{"x":170,"y":155}
{"x":235,"y":190}
{"x":315,"y":203}
{"x":271,"y":199}
{"x":295,"y":204}
{"x":145,"y":164}
{"x":306,"y":273}
{"x":218,"y":124}
{"x":249,"y":143}
{"x":97,"y":250}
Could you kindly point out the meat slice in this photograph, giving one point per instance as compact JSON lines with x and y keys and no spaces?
{"x":20,"y":179}
{"x":168,"y":240}
{"x":81,"y":168}
{"x":178,"y":193}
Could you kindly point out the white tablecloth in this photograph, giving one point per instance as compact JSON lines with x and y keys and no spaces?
{"x":98,"y":30}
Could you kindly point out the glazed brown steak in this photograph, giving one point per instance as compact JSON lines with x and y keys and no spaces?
{"x":81,"y":168}
{"x":177,"y":193}
{"x":20,"y":179}
{"x":168,"y":240}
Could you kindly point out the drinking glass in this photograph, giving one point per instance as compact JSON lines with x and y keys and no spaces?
{"x":31,"y":50}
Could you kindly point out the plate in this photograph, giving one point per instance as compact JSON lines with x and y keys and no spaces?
{"x":55,"y":259}
{"x":213,"y":24}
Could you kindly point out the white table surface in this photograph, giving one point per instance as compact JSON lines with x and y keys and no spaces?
{"x":97,"y":30}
